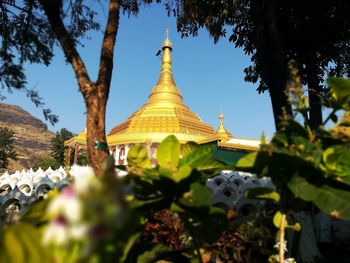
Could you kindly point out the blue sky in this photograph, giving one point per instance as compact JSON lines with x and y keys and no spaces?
{"x":209,"y":77}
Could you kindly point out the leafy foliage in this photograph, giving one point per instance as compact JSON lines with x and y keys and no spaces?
{"x":26,"y":37}
{"x":7,"y":150}
{"x":306,"y":166}
{"x":166,"y":216}
{"x":57,"y":145}
{"x":45,"y":164}
{"x":273,"y":33}
{"x":313,"y":166}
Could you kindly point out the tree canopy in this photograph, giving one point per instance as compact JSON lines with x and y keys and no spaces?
{"x":26,"y":38}
{"x":315,"y":34}
{"x":29,"y":32}
{"x":57,"y":145}
{"x":7,"y":150}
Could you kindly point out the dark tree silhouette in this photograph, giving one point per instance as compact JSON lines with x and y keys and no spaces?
{"x":313,"y":33}
{"x":57,"y":145}
{"x":28,"y":32}
{"x":7,"y":150}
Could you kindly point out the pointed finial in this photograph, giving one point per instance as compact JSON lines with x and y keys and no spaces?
{"x":221,"y":131}
{"x":221,"y":116}
{"x":167,"y":43}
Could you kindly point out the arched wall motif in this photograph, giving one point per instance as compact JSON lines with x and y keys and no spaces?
{"x":25,"y":187}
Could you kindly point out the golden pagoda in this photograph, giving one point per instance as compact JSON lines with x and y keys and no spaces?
{"x":163,"y":114}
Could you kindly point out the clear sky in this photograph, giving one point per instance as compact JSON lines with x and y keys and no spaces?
{"x":209,"y":77}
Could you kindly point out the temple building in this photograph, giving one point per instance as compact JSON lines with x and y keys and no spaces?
{"x":164,"y":114}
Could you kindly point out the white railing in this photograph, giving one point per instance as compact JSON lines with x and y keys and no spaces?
{"x":18,"y":190}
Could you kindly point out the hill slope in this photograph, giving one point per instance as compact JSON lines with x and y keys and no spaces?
{"x":32,"y":138}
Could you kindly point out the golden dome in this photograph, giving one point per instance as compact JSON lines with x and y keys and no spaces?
{"x":163,"y":114}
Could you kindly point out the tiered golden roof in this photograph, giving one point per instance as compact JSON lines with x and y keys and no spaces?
{"x":164,"y":113}
{"x":79,"y":139}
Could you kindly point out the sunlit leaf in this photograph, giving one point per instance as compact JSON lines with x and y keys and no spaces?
{"x":128,"y":245}
{"x":330,"y":200}
{"x":211,"y":164}
{"x":182,"y":173}
{"x":20,"y":243}
{"x":340,"y":90}
{"x":343,"y":179}
{"x":295,"y":227}
{"x":154,"y":254}
{"x":336,"y":160}
{"x":187,"y":148}
{"x":138,"y":157}
{"x":168,"y":153}
{"x":252,"y":162}
{"x":277,"y":219}
{"x":247,"y":161}
{"x":263,"y":193}
{"x":197,"y":157}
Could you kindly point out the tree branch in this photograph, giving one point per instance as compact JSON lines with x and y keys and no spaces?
{"x":52,"y":10}
{"x":107,"y":49}
{"x":12,"y":4}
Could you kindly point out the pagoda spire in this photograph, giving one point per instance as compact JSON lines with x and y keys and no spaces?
{"x":221,"y":131}
{"x":165,"y":89}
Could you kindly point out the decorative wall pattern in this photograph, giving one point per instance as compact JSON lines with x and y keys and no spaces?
{"x":229,"y":189}
{"x":20,"y":189}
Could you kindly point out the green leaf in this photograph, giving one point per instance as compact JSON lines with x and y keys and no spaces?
{"x":154,"y":254}
{"x":247,"y":161}
{"x":295,"y":227}
{"x":198,"y":197}
{"x":340,"y":90}
{"x":252,"y":162}
{"x":263,"y":193}
{"x":138,"y":157}
{"x":336,"y":160}
{"x":330,"y":200}
{"x":277,"y":219}
{"x":187,"y":148}
{"x":128,"y":245}
{"x":21,"y":243}
{"x":182,"y":173}
{"x":197,"y":157}
{"x":211,"y":164}
{"x":176,"y":208}
{"x":166,"y":172}
{"x":343,"y":179}
{"x":168,"y":153}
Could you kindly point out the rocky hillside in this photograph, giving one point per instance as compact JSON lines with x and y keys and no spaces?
{"x":32,"y":138}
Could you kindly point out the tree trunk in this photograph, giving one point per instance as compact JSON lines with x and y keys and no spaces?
{"x":95,"y":93}
{"x":314,"y":91}
{"x":271,"y":55}
{"x":95,"y":124}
